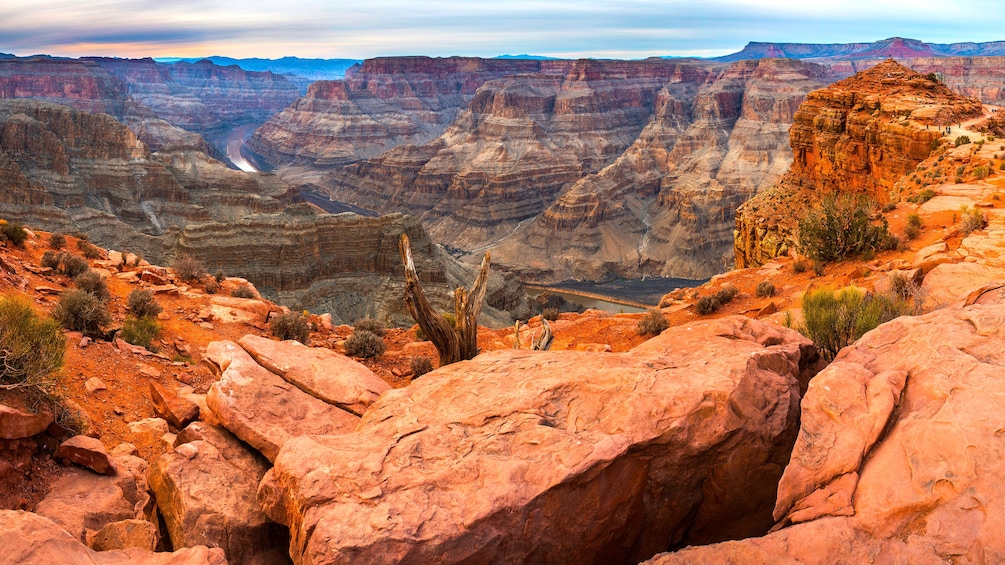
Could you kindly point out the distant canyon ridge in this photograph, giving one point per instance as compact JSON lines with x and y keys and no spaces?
{"x":588,"y":170}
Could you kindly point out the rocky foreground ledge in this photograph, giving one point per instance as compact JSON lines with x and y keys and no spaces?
{"x":899,"y":456}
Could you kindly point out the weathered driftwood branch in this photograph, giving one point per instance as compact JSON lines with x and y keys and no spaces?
{"x":542,"y":342}
{"x":452,"y":344}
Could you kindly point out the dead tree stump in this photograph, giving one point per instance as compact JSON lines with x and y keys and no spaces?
{"x":453,"y":344}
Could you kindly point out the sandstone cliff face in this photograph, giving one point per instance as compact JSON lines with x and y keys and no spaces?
{"x":80,"y":84}
{"x":380,"y":104}
{"x":859,"y":135}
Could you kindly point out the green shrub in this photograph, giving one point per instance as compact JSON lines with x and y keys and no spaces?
{"x":14,"y":233}
{"x":913,"y":228}
{"x":90,"y":281}
{"x":89,"y":250}
{"x":81,"y":311}
{"x":971,"y":219}
{"x":290,"y":325}
{"x":32,"y":346}
{"x":420,"y":366}
{"x":369,"y":325}
{"x":891,"y":205}
{"x":243,"y":291}
{"x":653,"y":323}
{"x":962,"y":140}
{"x":141,"y":330}
{"x":765,"y":289}
{"x":188,"y":268}
{"x":367,"y":345}
{"x":57,"y":241}
{"x":726,"y":294}
{"x":833,"y":320}
{"x":707,"y":305}
{"x":142,"y":304}
{"x":960,"y":169}
{"x":922,"y":196}
{"x":72,"y":265}
{"x":980,"y":172}
{"x":902,"y":287}
{"x":550,"y":314}
{"x":1001,"y":166}
{"x":839,"y":228}
{"x":451,"y":319}
{"x":50,"y":259}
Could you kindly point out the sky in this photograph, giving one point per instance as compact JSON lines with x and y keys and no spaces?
{"x":359,"y":29}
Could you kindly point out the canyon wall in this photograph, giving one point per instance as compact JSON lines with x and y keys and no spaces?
{"x":859,"y":135}
{"x":68,"y":170}
{"x":589,"y":169}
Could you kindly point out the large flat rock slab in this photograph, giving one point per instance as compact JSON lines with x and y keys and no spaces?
{"x":320,"y":372}
{"x":899,"y":459}
{"x":555,"y":457}
{"x":264,"y":410}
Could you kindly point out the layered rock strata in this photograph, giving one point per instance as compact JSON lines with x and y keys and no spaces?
{"x":857,"y":136}
{"x":557,"y":457}
{"x":898,"y":459}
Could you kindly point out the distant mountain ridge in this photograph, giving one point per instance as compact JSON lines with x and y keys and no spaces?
{"x":896,"y":47}
{"x":301,"y":71}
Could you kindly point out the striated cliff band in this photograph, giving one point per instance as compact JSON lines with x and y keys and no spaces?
{"x":68,"y":170}
{"x":519,"y":159}
{"x":859,"y":135}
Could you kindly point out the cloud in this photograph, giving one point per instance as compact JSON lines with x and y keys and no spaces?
{"x":630,"y":28}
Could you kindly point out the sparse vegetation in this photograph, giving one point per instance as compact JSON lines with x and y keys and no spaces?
{"x":31,"y":346}
{"x":833,"y":320}
{"x":765,"y":289}
{"x":962,"y":140}
{"x":219,"y":276}
{"x":707,"y":305}
{"x":13,"y":232}
{"x":727,"y":293}
{"x":367,"y":345}
{"x":291,"y":325}
{"x":913,"y":228}
{"x":653,"y":323}
{"x":818,"y":265}
{"x":369,"y":325}
{"x":980,"y":172}
{"x":81,"y":311}
{"x":57,"y":241}
{"x":971,"y":219}
{"x":91,"y":282}
{"x":922,"y":196}
{"x":243,"y":291}
{"x":800,"y":265}
{"x":212,"y":287}
{"x":550,"y":314}
{"x":50,"y":259}
{"x":141,"y":331}
{"x":142,"y":304}
{"x":841,"y":227}
{"x":188,"y":268}
{"x":72,"y":265}
{"x":891,"y":205}
{"x":89,"y":250}
{"x":420,"y":366}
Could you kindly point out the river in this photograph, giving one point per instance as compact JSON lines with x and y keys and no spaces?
{"x":235,"y":141}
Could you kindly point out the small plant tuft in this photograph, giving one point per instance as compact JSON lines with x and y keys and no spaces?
{"x":90,"y":281}
{"x":765,"y":289}
{"x":369,"y":325}
{"x":707,"y":305}
{"x":726,"y":294}
{"x":57,"y":241}
{"x":550,"y":314}
{"x":290,"y":325}
{"x":800,"y":265}
{"x":833,"y":320}
{"x":72,"y":265}
{"x":14,"y":233}
{"x":188,"y":268}
{"x":652,"y":324}
{"x":219,"y":276}
{"x":50,"y":259}
{"x":971,"y":220}
{"x":81,"y":311}
{"x":243,"y":291}
{"x":367,"y":345}
{"x":32,"y":346}
{"x":142,"y":304}
{"x":141,"y":331}
{"x":962,"y":140}
{"x":89,"y":250}
{"x":420,"y":366}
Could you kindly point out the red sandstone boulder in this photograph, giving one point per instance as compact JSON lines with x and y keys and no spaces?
{"x":30,"y":539}
{"x":177,"y":410}
{"x":899,"y":459}
{"x":87,"y":452}
{"x":264,"y":410}
{"x":17,"y":424}
{"x":555,"y":457}
{"x":125,"y":534}
{"x":322,"y":373}
{"x":205,"y":490}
